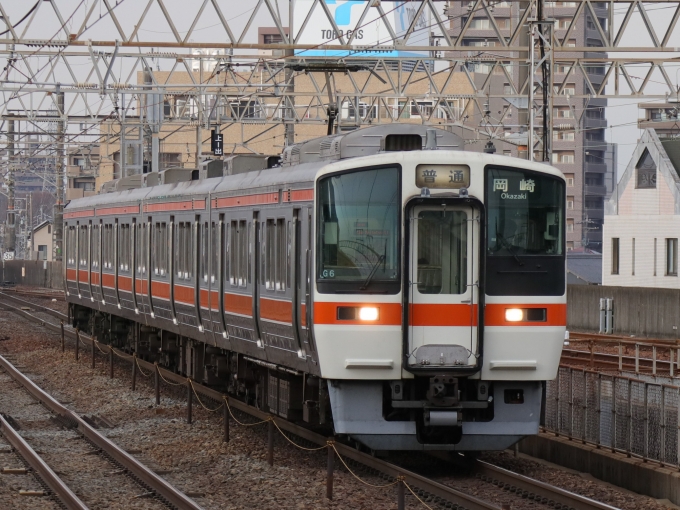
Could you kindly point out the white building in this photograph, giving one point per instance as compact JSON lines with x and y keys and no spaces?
{"x":642,"y":218}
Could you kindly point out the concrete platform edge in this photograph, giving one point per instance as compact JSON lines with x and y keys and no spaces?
{"x":647,"y":478}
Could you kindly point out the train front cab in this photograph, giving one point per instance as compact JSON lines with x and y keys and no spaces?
{"x":443,"y":344}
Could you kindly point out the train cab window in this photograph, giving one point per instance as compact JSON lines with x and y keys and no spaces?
{"x":238,"y":253}
{"x":442,"y":252}
{"x":359,"y":227}
{"x":275,"y":259}
{"x":525,"y":232}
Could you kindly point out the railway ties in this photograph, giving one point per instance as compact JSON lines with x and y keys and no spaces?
{"x":75,"y":463}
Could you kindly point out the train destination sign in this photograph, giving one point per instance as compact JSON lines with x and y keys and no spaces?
{"x":443,"y":176}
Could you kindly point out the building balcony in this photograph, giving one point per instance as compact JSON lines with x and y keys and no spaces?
{"x":597,"y":190}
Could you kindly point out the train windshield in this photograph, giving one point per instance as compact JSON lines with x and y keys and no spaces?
{"x":358,"y":237}
{"x":525,"y":213}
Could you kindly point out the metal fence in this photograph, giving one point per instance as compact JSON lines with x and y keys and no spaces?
{"x":620,"y":413}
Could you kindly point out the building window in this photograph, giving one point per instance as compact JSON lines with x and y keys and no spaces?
{"x":570,"y":225}
{"x":632,"y":249}
{"x":593,"y":179}
{"x":564,"y":136}
{"x":570,"y":202}
{"x":570,"y":245}
{"x":570,"y":180}
{"x":646,"y":172}
{"x":672,"y":257}
{"x":596,"y":135}
{"x":563,"y":157}
{"x":42,"y":252}
{"x":615,"y":255}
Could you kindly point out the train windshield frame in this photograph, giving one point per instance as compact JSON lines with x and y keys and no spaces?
{"x":525,"y":213}
{"x":359,"y":231}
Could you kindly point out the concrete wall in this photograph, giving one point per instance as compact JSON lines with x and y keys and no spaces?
{"x":38,"y":273}
{"x":637,"y":311}
{"x":647,"y":478}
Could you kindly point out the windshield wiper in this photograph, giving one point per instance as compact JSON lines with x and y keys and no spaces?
{"x":373,"y":270}
{"x":509,"y":247}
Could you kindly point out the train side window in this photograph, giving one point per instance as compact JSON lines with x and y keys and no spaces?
{"x":94,"y":247}
{"x":233,"y":252}
{"x":275,"y":254}
{"x":205,"y":250}
{"x":178,"y":249}
{"x":215,"y":253}
{"x":70,"y":246}
{"x":124,"y":247}
{"x":82,"y":246}
{"x":281,"y":254}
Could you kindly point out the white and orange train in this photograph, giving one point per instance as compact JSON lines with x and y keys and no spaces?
{"x":383,"y":282}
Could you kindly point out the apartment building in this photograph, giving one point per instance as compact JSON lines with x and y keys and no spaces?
{"x":580,"y":149}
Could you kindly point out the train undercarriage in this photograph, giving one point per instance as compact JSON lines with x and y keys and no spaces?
{"x":433,"y":412}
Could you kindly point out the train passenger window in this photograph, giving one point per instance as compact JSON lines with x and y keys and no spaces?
{"x":94,"y":248}
{"x":442,"y":252}
{"x":238,"y":254}
{"x":82,"y":246}
{"x":160,"y":251}
{"x":215,"y":251}
{"x":71,"y":246}
{"x":204,"y":245}
{"x":124,"y":247}
{"x":276,"y":255}
{"x":184,"y":252}
{"x":108,"y":246}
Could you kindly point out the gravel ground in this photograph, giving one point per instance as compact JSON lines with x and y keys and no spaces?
{"x":97,"y":482}
{"x":236,"y":474}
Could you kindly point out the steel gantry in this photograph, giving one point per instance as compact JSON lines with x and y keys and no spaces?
{"x":90,"y":71}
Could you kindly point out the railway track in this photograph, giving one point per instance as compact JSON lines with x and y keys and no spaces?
{"x":54,"y":426}
{"x":615,"y":362}
{"x":432,"y":492}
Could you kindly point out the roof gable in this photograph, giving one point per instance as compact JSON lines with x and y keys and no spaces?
{"x":649,"y":168}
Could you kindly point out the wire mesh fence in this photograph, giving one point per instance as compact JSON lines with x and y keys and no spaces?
{"x":632,"y":416}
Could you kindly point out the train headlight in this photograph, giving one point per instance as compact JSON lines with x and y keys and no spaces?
{"x":514,"y":314}
{"x":368,"y":313}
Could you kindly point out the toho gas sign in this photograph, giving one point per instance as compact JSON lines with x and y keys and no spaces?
{"x":371,"y":35}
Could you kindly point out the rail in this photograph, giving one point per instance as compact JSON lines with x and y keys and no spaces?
{"x":424,"y":487}
{"x":160,"y":486}
{"x":541,"y":490}
{"x":49,"y":477}
{"x":54,"y":313}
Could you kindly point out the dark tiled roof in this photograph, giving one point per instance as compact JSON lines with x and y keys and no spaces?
{"x":585,"y":268}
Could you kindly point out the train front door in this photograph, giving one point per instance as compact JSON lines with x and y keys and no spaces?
{"x":443,"y":276}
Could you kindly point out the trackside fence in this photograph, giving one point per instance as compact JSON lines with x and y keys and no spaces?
{"x":622,"y":414}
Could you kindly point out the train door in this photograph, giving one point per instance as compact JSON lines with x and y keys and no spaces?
{"x":239,"y":305}
{"x":443,"y":274}
{"x":277,"y":305}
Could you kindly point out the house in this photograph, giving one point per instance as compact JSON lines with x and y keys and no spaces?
{"x":41,"y":242}
{"x":642,"y":218}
